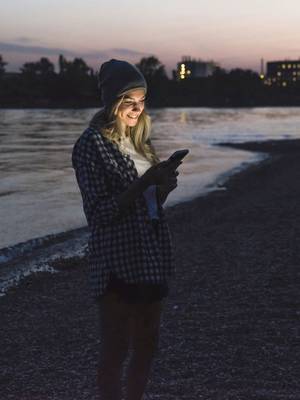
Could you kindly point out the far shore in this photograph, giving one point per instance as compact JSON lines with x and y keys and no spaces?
{"x":76,"y":106}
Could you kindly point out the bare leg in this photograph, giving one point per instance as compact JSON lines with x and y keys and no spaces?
{"x":145,"y":337}
{"x":114,"y":328}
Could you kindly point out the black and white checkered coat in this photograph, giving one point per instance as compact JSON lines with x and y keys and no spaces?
{"x":124,"y":244}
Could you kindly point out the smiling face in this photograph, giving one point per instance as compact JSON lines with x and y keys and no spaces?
{"x":131,"y":107}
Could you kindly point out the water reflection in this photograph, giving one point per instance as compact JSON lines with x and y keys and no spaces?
{"x":38,"y":191}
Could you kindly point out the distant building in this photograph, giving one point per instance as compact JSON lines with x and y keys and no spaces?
{"x":191,"y":68}
{"x":282,"y":73}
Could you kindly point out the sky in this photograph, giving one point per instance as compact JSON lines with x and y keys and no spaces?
{"x":232,"y":33}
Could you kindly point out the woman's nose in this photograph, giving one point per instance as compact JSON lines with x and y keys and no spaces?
{"x":137,"y":107}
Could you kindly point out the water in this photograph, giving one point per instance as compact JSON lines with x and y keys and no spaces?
{"x":38,"y":192}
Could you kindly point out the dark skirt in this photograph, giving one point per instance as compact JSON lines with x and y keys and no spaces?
{"x":133,"y":293}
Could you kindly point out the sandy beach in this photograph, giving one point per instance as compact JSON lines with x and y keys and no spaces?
{"x":230,"y":327}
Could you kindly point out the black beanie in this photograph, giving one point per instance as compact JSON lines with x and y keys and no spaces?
{"x":116,"y":77}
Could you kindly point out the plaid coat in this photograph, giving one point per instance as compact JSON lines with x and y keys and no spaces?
{"x":125,"y":244}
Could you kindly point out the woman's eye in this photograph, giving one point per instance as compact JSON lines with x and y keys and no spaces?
{"x":130,"y":103}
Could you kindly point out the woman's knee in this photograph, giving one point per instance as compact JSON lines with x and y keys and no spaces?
{"x":114,"y":328}
{"x":145,"y":328}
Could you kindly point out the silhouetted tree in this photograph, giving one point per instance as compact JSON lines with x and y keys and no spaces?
{"x":152,"y":69}
{"x":2,"y":66}
{"x":79,"y":68}
{"x":246,"y":86}
{"x":156,"y":78}
{"x":219,"y":72}
{"x":38,"y":81}
{"x":76,"y":68}
{"x":42,"y":68}
{"x":76,"y":79}
{"x":62,"y":64}
{"x":243,"y":74}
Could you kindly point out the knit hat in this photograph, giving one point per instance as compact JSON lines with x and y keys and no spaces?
{"x":116,"y":77}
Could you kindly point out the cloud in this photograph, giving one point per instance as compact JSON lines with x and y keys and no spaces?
{"x":25,"y":40}
{"x":128,"y":52}
{"x":16,"y":54}
{"x":43,"y":51}
{"x":50,"y":51}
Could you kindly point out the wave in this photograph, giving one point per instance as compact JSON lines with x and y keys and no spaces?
{"x":37,"y":255}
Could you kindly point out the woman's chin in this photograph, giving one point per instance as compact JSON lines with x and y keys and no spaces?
{"x":131,"y":122}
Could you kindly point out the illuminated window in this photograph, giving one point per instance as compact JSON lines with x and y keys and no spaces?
{"x":294,"y":65}
{"x":274,"y":79}
{"x":261,"y":76}
{"x":294,"y":79}
{"x":182,"y":76}
{"x":298,"y":65}
{"x":289,"y":66}
{"x":294,"y":73}
{"x":182,"y":66}
{"x":283,"y":66}
{"x":279,"y":73}
{"x":283,"y":83}
{"x":298,"y":73}
{"x":188,"y":72}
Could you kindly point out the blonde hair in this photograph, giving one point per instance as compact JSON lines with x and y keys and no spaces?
{"x":109,"y":125}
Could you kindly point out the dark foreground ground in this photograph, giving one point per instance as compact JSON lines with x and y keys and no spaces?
{"x":230,"y":328}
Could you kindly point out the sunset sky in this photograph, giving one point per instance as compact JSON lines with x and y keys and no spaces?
{"x":233,"y":33}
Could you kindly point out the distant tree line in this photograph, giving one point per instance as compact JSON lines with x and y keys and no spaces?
{"x":75,"y":85}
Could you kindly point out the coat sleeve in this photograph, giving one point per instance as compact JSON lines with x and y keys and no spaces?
{"x":99,"y":201}
{"x":99,"y":204}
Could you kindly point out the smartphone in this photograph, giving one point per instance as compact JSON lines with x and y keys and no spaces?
{"x":178,"y":155}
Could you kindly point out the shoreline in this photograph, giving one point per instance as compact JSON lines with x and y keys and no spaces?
{"x":74,"y":107}
{"x":233,"y":303}
{"x":13,"y":268}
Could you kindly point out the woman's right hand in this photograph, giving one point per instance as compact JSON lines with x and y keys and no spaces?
{"x":163,"y":173}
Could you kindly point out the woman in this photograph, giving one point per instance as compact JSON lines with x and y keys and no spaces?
{"x":123,"y":186}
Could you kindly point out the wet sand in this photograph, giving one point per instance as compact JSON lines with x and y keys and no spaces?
{"x":230,"y":327}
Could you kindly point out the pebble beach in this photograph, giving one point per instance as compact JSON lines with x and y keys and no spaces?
{"x":230,"y":326}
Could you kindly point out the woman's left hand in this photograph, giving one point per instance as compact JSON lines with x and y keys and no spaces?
{"x":164,"y":190}
{"x":167,"y":188}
